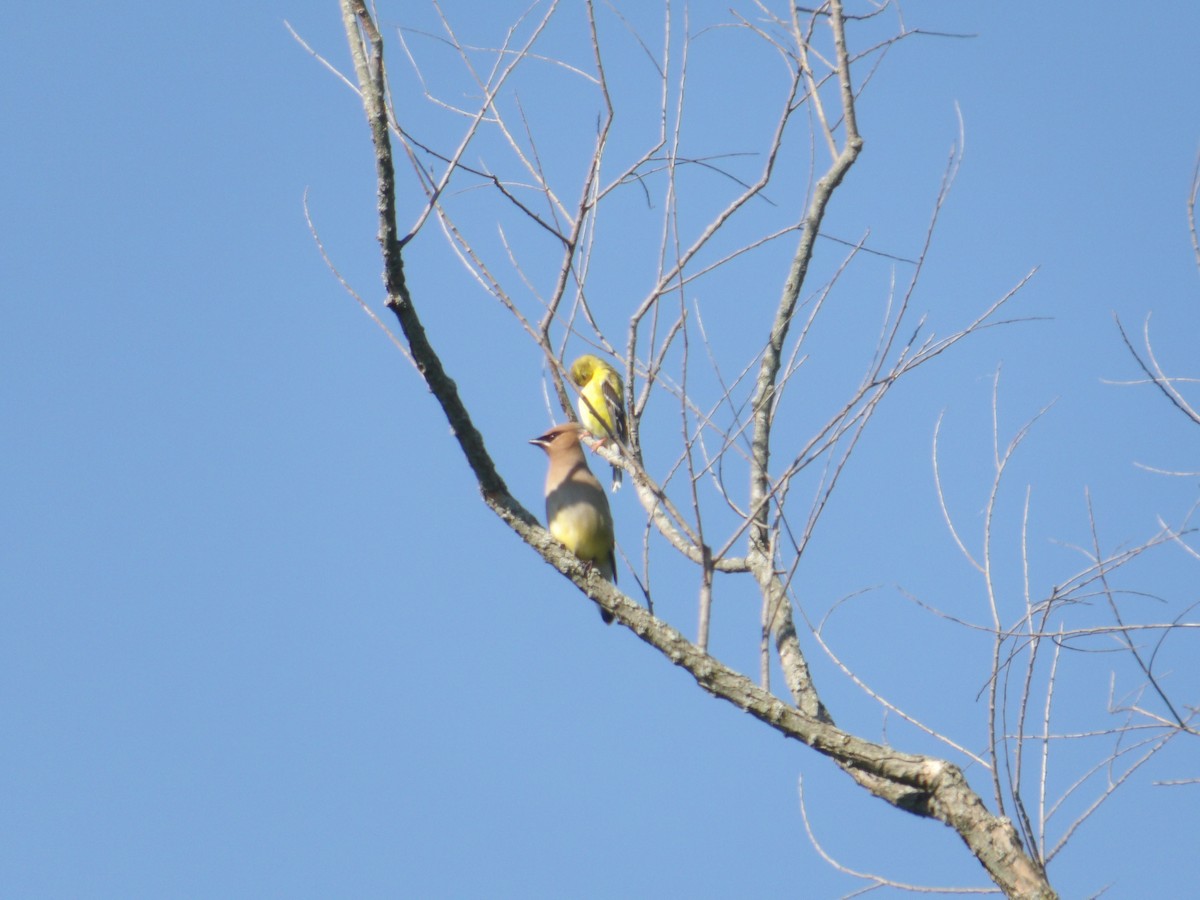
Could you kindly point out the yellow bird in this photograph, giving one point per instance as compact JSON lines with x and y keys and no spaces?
{"x":577,"y":511}
{"x":601,"y":402}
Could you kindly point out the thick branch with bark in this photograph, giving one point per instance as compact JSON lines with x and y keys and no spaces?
{"x":921,"y":785}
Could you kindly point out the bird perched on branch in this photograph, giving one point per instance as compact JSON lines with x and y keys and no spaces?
{"x":601,"y":402}
{"x":577,"y":511}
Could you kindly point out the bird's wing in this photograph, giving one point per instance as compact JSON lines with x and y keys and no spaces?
{"x":616,"y":407}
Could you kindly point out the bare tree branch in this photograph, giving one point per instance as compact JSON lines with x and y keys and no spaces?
{"x":711,"y":433}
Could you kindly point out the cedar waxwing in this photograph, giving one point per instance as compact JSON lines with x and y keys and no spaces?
{"x":601,"y":402}
{"x":577,"y":512}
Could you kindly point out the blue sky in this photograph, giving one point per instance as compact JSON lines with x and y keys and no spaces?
{"x":261,"y":637}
